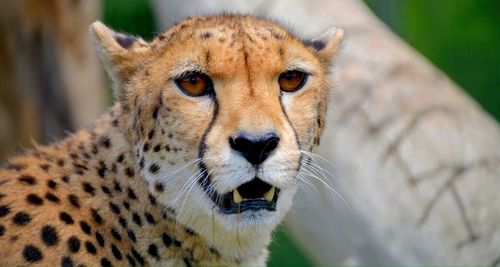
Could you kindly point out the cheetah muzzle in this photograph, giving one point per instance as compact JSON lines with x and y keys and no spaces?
{"x":196,"y":163}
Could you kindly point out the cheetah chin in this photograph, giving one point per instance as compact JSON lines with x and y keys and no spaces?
{"x":196,"y":163}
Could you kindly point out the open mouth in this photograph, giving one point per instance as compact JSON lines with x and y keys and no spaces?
{"x":253,"y":195}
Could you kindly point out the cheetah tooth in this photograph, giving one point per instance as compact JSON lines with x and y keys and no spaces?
{"x":237,"y":197}
{"x":269,"y":195}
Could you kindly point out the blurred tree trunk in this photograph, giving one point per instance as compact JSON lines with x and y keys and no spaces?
{"x":50,"y":78}
{"x":417,"y":160}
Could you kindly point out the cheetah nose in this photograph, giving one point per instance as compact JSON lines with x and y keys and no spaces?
{"x":254,"y":148}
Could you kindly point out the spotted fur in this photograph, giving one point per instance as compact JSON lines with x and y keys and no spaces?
{"x":126,"y":191}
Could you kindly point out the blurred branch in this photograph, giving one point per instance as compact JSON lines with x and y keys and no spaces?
{"x":51,"y":80}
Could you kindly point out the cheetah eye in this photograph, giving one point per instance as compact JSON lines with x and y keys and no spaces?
{"x":194,"y":84}
{"x":292,"y":81}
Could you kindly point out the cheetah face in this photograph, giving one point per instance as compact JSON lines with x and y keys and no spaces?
{"x":219,"y":113}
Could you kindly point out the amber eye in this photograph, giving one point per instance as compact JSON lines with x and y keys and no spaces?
{"x":292,"y":81}
{"x":194,"y":84}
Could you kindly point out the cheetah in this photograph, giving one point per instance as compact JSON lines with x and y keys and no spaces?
{"x":194,"y":165}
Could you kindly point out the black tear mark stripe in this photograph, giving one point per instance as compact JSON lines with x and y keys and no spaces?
{"x":204,"y":181}
{"x":294,"y":132}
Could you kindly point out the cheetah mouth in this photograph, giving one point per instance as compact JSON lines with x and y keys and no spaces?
{"x":254,"y":195}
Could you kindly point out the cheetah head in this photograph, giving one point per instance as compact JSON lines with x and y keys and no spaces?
{"x":218,"y":111}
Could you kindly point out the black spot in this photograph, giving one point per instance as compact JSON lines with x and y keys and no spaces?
{"x":189,"y":231}
{"x":152,"y":199}
{"x":90,"y":248}
{"x":137,"y":219}
{"x":155,"y":112}
{"x":85,"y":227}
{"x":4,"y":210}
{"x":97,"y":218}
{"x":30,"y":180}
{"x":65,"y":179}
{"x":157,"y":148}
{"x":74,"y":201}
{"x":99,"y":238}
{"x":74,"y":244}
{"x":131,"y":235}
{"x":214,"y":251}
{"x":2,"y":230}
{"x":115,"y":123}
{"x":150,"y":218}
{"x":154,"y":168}
{"x":101,"y":169}
{"x":207,"y":57}
{"x":66,"y":262}
{"x":187,"y":262}
{"x":94,"y":149}
{"x":126,"y":205}
{"x":45,"y":167}
{"x":124,"y":41}
{"x":21,"y":218}
{"x":177,"y":243}
{"x":60,"y":162}
{"x":116,"y":252}
{"x":120,"y":158}
{"x":131,"y":193}
{"x":34,"y":200}
{"x":51,"y":184}
{"x":51,"y":197}
{"x":153,"y":251}
{"x":12,"y":166}
{"x":49,"y":235}
{"x":131,"y":261}
{"x":151,"y":134}
{"x":145,"y":148}
{"x":105,"y":141}
{"x":116,"y":235}
{"x":122,"y":222}
{"x":117,"y":186}
{"x":129,"y":172}
{"x":167,"y":240}
{"x":138,"y":257}
{"x":106,"y":190}
{"x":206,"y":35}
{"x":159,"y":187}
{"x":87,"y":187}
{"x":114,"y":208}
{"x":141,"y":163}
{"x":66,"y":218}
{"x":32,"y":253}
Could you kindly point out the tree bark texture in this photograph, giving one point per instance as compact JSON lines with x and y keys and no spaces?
{"x":51,"y":80}
{"x":417,"y":161}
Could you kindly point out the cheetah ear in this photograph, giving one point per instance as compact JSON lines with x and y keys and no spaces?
{"x":122,"y":54}
{"x":327,"y":44}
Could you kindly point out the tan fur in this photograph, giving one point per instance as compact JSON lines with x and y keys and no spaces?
{"x":147,"y":143}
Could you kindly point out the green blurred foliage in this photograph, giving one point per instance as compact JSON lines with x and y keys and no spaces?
{"x":132,"y":16}
{"x":462,"y":37}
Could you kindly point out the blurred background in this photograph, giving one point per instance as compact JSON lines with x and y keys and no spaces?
{"x":43,"y":43}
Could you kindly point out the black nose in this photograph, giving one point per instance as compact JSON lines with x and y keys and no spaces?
{"x":255,"y":148}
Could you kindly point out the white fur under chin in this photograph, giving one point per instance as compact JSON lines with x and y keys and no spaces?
{"x":244,"y":237}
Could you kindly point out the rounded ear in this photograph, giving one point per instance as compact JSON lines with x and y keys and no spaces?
{"x":327,"y":44}
{"x":122,"y":54}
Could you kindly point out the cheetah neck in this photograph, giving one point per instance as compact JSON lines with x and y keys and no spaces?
{"x":102,"y":170}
